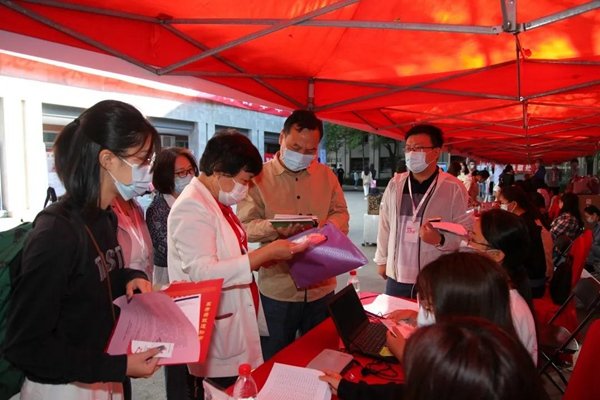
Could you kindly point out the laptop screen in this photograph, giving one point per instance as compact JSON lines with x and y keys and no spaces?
{"x":348,"y":313}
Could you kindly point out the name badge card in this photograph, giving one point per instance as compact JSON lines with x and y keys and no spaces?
{"x":411,"y":232}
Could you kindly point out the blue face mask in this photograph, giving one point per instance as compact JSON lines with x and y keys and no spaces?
{"x":295,"y":161}
{"x":141,"y":178}
{"x":237,"y":194}
{"x":181,"y":183}
{"x":424,"y":317}
{"x":416,"y":161}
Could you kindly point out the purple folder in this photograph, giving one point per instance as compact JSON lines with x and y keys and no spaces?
{"x":333,"y":257}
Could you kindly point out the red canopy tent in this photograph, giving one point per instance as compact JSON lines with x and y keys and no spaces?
{"x":509,"y":80}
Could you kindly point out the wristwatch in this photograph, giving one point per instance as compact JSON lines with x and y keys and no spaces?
{"x":442,"y":241}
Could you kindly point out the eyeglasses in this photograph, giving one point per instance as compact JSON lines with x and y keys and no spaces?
{"x":418,"y":149}
{"x":148,"y":161}
{"x":185,"y":172}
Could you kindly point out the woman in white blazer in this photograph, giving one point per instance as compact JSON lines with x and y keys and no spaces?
{"x":207,"y":241}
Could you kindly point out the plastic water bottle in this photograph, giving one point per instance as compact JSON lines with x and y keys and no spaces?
{"x":245,"y":387}
{"x":353,"y":280}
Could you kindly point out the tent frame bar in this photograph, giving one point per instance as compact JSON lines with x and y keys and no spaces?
{"x":67,"y":31}
{"x":256,"y":35}
{"x":559,"y":16}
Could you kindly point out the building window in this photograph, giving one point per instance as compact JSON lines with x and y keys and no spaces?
{"x":54,"y":119}
{"x":271,"y":142}
{"x":173,"y":132}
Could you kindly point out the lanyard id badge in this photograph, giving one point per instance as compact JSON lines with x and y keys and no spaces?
{"x":415,"y":210}
{"x":411,"y":231}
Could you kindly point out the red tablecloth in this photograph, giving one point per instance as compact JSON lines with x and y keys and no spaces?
{"x":305,"y":348}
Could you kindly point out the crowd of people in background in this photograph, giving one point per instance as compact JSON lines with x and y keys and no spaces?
{"x":475,"y":292}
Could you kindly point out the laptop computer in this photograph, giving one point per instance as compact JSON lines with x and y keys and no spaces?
{"x":353,"y":325}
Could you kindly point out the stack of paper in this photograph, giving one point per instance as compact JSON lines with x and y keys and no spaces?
{"x":384,"y":304}
{"x":151,"y":320}
{"x":287,"y":382}
{"x":283,"y":220}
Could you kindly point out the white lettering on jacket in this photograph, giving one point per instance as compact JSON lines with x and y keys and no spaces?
{"x":114,"y":260}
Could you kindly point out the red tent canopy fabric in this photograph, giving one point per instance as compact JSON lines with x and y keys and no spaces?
{"x":509,"y":81}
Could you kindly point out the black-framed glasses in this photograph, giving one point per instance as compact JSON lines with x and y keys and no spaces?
{"x":418,"y":149}
{"x":185,"y":172}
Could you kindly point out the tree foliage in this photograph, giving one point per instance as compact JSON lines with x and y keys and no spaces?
{"x":394,"y":147}
{"x":338,"y":136}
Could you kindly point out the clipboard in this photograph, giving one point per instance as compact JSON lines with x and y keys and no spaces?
{"x":153,"y":319}
{"x":210,"y":292}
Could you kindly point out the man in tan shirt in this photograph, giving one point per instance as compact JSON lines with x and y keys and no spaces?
{"x":292,"y":183}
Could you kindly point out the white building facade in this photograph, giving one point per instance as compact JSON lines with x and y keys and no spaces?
{"x":34,"y":107}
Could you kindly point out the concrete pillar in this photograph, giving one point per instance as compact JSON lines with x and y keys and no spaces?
{"x":258,"y":138}
{"x":22,"y":157}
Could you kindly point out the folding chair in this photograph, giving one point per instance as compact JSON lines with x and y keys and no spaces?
{"x":582,"y":383}
{"x":545,"y":308}
{"x":580,"y":250}
{"x":556,"y":340}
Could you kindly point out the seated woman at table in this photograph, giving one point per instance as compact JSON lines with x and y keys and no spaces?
{"x":459,"y":284}
{"x":206,"y":240}
{"x":469,"y":284}
{"x":468,"y":358}
{"x":539,"y":257}
{"x":504,"y":237}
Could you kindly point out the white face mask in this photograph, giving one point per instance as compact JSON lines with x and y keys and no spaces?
{"x":424,"y":317}
{"x":181,"y":183}
{"x":237,"y":194}
{"x":295,"y":161}
{"x":504,"y":206}
{"x":415,"y":161}
{"x":141,"y":179}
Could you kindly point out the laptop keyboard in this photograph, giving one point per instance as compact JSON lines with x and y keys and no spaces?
{"x":371,"y":339}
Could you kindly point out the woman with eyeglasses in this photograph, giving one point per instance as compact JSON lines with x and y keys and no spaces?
{"x":472,"y":284}
{"x":206,"y":240}
{"x":72,"y":268}
{"x":538,"y":262}
{"x":173,"y":170}
{"x":460,"y":284}
{"x":504,"y":237}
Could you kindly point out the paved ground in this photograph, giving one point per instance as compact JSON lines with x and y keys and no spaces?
{"x":153,"y":388}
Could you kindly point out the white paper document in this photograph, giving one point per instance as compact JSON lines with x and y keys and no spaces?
{"x":331,"y":360}
{"x":384,"y":304}
{"x":287,"y":382}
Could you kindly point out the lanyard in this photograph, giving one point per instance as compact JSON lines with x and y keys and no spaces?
{"x":236,"y":225}
{"x":412,"y":202}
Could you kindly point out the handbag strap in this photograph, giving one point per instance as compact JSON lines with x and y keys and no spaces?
{"x":106,"y":271}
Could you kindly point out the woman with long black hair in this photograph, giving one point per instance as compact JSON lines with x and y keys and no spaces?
{"x":61,"y":314}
